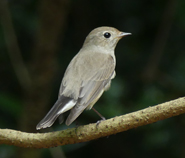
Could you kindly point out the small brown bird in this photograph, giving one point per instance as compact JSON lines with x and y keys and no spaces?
{"x":87,"y":76}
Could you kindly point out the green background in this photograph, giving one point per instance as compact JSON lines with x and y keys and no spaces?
{"x":41,"y":37}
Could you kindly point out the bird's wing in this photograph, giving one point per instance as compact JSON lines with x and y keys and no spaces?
{"x":96,"y":77}
{"x":83,"y":83}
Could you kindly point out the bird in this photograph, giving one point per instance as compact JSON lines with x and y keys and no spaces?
{"x":87,"y":76}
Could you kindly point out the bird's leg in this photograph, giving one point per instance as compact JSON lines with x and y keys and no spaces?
{"x":103,"y":118}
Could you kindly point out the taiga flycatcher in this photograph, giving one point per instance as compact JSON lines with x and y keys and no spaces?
{"x":87,"y":76}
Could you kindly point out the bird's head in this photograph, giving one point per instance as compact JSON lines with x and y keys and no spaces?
{"x":104,"y":37}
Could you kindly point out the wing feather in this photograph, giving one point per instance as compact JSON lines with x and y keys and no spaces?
{"x":93,"y":85}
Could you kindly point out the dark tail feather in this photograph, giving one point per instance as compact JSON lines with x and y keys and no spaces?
{"x":52,"y":115}
{"x":74,"y":113}
{"x":61,"y":118}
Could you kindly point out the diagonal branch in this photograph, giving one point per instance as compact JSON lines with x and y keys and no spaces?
{"x":92,"y":131}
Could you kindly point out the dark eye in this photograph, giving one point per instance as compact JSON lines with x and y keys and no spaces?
{"x":107,"y":35}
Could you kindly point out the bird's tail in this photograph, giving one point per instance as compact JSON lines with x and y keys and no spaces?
{"x":62,"y":105}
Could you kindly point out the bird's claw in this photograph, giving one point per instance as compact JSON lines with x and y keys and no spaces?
{"x":98,"y":122}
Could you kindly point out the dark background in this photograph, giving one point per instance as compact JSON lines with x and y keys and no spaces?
{"x":39,"y":38}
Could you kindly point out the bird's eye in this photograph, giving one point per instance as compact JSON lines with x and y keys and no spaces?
{"x":107,"y":35}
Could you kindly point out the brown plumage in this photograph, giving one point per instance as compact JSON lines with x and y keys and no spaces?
{"x":87,"y":76}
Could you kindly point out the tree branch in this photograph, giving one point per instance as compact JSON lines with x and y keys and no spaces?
{"x":93,"y":131}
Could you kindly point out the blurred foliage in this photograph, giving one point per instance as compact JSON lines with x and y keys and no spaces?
{"x":150,"y":70}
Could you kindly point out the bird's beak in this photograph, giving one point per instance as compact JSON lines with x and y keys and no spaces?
{"x":123,"y":34}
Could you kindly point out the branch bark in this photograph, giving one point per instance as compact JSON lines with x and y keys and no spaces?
{"x":94,"y":131}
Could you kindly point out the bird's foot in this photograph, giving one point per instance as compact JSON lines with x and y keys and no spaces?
{"x":98,"y":122}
